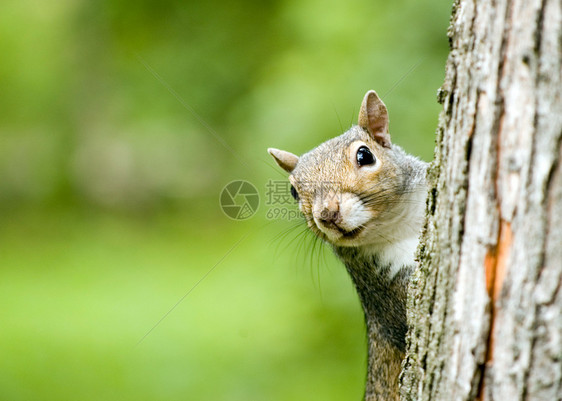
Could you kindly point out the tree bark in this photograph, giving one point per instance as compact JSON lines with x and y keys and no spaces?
{"x":485,"y":306}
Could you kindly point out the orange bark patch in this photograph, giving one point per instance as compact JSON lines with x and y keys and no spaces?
{"x":495,"y":267}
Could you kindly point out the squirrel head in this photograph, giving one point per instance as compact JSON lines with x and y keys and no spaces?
{"x":354,"y":190}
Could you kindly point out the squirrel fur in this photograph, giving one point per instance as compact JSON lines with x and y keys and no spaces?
{"x":366,"y":197}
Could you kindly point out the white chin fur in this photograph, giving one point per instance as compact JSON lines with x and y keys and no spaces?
{"x":397,"y":255}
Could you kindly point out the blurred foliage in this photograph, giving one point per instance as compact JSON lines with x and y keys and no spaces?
{"x":120,"y":122}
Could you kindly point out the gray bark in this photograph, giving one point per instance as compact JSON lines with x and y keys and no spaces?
{"x":485,"y":307}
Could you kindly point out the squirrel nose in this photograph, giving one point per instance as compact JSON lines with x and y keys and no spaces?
{"x":329,"y":217}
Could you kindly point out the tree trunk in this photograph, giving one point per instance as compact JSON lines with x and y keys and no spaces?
{"x":485,"y":307}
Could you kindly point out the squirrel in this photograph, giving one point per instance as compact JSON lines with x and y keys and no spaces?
{"x":365,"y":196}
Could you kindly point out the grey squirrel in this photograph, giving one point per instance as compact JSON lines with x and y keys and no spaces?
{"x":366,"y":197}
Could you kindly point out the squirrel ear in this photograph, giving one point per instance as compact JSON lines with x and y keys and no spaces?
{"x":373,"y":116}
{"x":286,"y":160}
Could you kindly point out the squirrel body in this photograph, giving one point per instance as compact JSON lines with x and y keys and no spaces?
{"x":366,"y":197}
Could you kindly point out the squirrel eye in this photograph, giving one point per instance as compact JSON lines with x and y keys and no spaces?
{"x":364,"y":156}
{"x":294,"y":193}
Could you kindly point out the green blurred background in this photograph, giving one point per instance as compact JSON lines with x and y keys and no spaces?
{"x":120,"y":123}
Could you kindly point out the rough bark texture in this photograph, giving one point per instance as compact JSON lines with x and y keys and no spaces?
{"x":485,"y":307}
